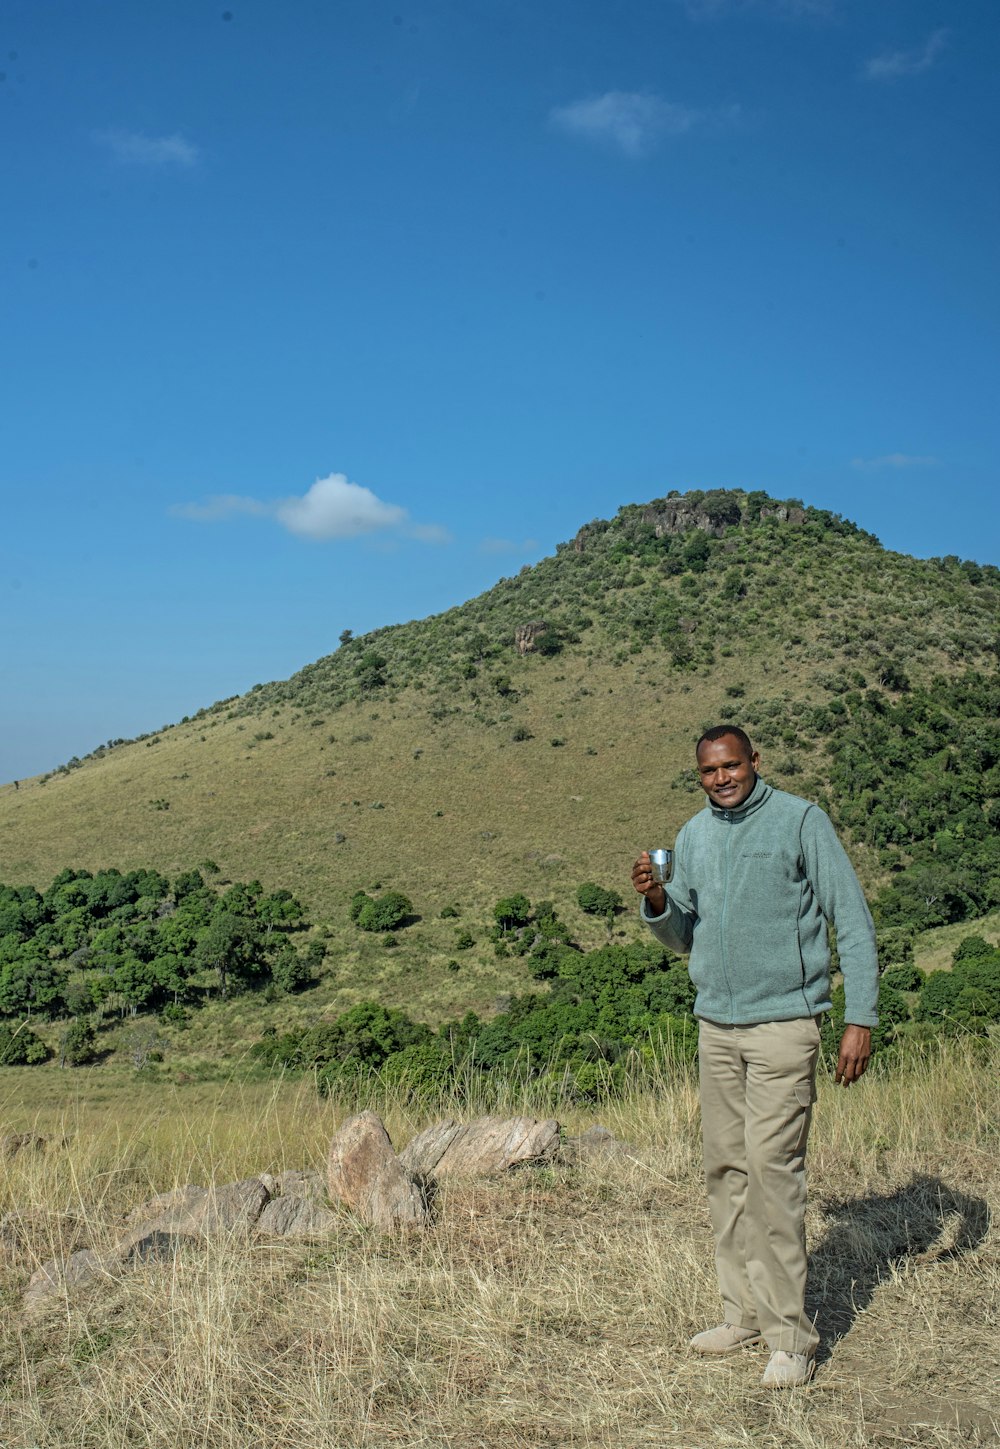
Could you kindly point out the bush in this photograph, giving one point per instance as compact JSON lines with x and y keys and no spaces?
{"x":78,"y":1046}
{"x":420,"y":1073}
{"x":596,"y":901}
{"x":20,"y":1047}
{"x":903,"y":978}
{"x":386,"y":913}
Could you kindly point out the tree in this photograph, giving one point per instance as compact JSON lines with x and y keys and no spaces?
{"x":511,"y":912}
{"x":232,"y":946}
{"x":77,"y":1046}
{"x":20,"y":1047}
{"x":385,"y":913}
{"x":597,"y":901}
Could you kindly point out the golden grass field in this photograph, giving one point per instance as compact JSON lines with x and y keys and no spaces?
{"x":552,"y":1307}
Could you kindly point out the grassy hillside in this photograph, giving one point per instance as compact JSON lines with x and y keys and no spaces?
{"x":437,"y":758}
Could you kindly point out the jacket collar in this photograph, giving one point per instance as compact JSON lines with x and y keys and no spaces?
{"x":758,"y":795}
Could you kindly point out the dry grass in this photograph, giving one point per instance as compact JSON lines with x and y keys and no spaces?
{"x":550,"y":1308}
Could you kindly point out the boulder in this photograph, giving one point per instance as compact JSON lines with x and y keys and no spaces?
{"x":296,"y":1217}
{"x":58,"y":1274}
{"x":14,"y":1142}
{"x":365,"y":1175}
{"x":485,"y":1147}
{"x":233,"y":1207}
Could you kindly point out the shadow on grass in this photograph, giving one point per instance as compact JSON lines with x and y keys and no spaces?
{"x":923,"y":1222}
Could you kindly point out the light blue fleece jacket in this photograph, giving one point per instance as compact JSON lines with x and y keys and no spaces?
{"x":752,"y":891}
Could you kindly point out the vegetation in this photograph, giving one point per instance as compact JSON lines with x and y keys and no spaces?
{"x":552,"y":1305}
{"x":867,"y":678}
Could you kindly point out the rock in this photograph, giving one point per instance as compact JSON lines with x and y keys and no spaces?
{"x":155,"y":1247}
{"x":365,"y":1174}
{"x":526,"y":635}
{"x":233,"y":1207}
{"x":296,"y":1217}
{"x":484,"y":1147}
{"x":14,"y":1142}
{"x":300,"y":1184}
{"x":58,"y":1274}
{"x":594,"y":1144}
{"x":178,"y":1202}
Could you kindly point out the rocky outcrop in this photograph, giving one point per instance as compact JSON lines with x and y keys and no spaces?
{"x":364,"y":1173}
{"x":488,"y":1146}
{"x":713,"y":514}
{"x":527,"y":635}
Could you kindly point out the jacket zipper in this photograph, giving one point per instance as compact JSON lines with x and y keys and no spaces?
{"x":725,"y":911}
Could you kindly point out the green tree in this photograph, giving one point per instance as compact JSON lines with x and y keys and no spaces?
{"x":386,"y":912}
{"x":512,"y":912}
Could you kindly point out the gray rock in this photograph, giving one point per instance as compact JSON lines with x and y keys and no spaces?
{"x":232,"y":1207}
{"x":154,"y":1247}
{"x":58,"y":1274}
{"x":296,"y":1217}
{"x":14,"y":1142}
{"x":485,"y":1147}
{"x":595,"y":1144}
{"x":365,"y":1175}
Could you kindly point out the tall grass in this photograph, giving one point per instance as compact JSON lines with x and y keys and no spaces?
{"x":552,"y":1306}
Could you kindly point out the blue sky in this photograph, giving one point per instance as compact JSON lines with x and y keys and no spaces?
{"x":327,"y":315}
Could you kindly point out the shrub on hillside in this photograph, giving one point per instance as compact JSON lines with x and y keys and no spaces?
{"x":20,"y":1047}
{"x":385,"y":913}
{"x":595,"y":900}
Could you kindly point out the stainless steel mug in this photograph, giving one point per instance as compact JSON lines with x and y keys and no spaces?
{"x":662,"y":862}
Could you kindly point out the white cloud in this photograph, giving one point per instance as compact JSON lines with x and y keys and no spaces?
{"x":333,"y":507}
{"x":507,"y":545}
{"x":218,"y":507}
{"x":633,"y":121}
{"x":429,"y":533}
{"x":896,"y":460}
{"x":896,"y":63}
{"x":137,"y":150}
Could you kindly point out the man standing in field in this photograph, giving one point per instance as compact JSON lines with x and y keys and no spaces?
{"x":758,"y":874}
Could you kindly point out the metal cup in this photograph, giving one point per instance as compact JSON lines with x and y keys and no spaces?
{"x":662,"y":862}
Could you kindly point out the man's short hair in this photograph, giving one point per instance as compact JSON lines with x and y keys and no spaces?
{"x":718,"y":732}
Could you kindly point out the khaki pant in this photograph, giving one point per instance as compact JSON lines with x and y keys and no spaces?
{"x":757,"y":1091}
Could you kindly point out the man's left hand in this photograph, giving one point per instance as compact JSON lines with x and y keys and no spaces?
{"x":855,"y":1054}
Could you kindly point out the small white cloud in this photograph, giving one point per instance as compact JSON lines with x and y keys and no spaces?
{"x":332,"y":508}
{"x":135,"y":149}
{"x":507,"y":545}
{"x":633,"y":121}
{"x":896,"y":63}
{"x":429,"y":533}
{"x":219,"y":507}
{"x":335,"y":508}
{"x":896,"y":460}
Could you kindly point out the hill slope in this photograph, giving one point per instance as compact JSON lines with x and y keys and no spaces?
{"x":541,"y":734}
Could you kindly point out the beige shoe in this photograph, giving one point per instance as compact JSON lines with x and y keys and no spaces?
{"x":788,"y":1370}
{"x":727,"y":1338}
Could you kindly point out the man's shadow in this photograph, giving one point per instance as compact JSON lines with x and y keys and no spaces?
{"x":923,"y":1222}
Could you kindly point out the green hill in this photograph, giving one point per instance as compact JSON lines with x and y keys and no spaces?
{"x":541,"y":734}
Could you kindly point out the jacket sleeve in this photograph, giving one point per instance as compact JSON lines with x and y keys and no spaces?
{"x":841,"y":899}
{"x":675,"y":927}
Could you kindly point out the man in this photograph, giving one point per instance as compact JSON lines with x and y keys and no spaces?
{"x":757,"y":876}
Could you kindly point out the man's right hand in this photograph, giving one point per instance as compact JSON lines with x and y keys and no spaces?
{"x":642,"y":879}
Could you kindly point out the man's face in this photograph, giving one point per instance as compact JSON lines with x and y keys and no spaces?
{"x":726,"y":771}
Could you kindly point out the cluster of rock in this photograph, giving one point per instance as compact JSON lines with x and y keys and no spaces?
{"x":364,"y":1175}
